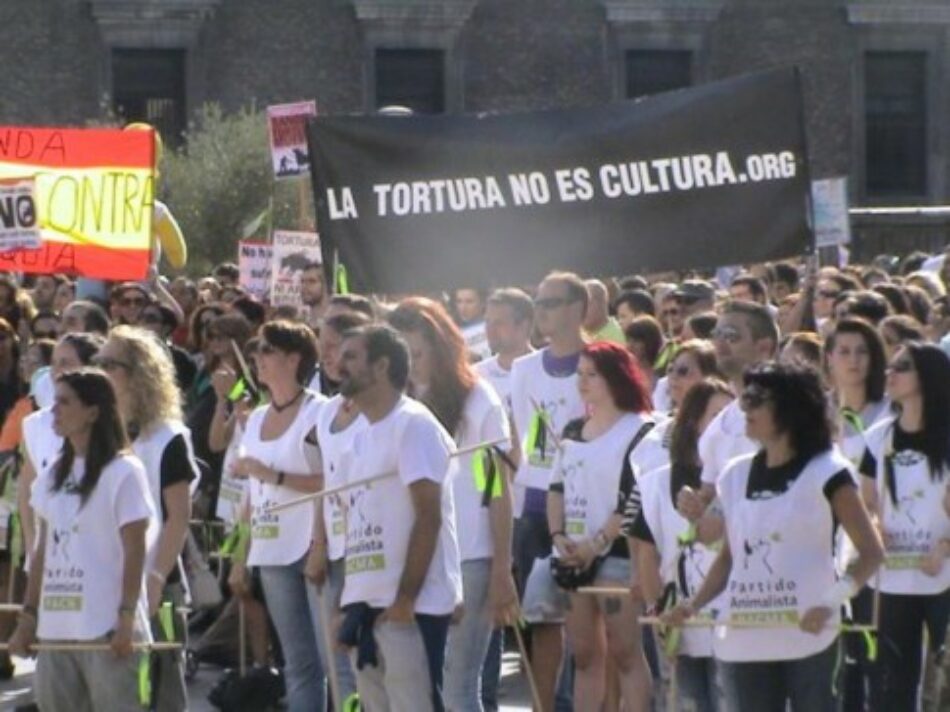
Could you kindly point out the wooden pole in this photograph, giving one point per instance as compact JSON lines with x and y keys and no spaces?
{"x":95,"y":647}
{"x":368,"y":480}
{"x":750,"y":625}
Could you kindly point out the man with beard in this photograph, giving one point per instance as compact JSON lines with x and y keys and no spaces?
{"x":313,"y":293}
{"x":403,"y":577}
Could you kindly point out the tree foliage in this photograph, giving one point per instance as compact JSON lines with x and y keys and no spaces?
{"x":220,"y":181}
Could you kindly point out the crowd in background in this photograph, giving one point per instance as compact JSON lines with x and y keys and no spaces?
{"x":675,"y":439}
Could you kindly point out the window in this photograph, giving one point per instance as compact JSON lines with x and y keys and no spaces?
{"x":149,"y":85}
{"x":895,"y":116}
{"x":414,"y":78}
{"x":651,"y":71}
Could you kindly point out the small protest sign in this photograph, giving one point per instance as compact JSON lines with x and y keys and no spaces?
{"x":254,"y":262}
{"x":830,"y":204}
{"x":19,"y":226}
{"x":292,"y":252}
{"x":287,"y":125}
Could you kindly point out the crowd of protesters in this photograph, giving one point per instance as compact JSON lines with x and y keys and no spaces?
{"x":688,"y":491}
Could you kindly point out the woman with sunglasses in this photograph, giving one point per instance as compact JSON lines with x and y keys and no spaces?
{"x":905,"y":483}
{"x":780,"y":507}
{"x":142,"y":373}
{"x":671,"y":563}
{"x":591,"y":483}
{"x":695,"y":360}
{"x":86,"y":586}
{"x":281,"y":458}
{"x":468,"y":407}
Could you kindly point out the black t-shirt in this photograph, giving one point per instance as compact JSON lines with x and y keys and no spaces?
{"x":764,"y":483}
{"x":902,"y":441}
{"x":574,"y":431}
{"x":176,"y":466}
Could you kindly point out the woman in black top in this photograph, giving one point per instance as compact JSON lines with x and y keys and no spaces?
{"x":905,"y":485}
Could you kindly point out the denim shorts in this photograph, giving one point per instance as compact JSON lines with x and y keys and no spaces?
{"x":546,"y":602}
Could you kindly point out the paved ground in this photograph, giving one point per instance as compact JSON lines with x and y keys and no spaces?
{"x":16,"y":692}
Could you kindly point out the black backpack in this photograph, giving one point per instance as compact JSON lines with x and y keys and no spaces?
{"x":260,"y":689}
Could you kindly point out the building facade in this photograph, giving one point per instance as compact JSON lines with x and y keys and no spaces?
{"x":876,"y":72}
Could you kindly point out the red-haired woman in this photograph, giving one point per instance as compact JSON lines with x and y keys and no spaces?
{"x":592,"y":480}
{"x":469,"y":408}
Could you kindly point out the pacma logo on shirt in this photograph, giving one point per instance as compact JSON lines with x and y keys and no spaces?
{"x":755,"y":594}
{"x":63,"y":584}
{"x":906,"y":548}
{"x":265,"y":525}
{"x":364,"y":538}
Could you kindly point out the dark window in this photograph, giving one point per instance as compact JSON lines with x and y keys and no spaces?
{"x":895,"y":114}
{"x":414,"y":78}
{"x":651,"y":71}
{"x":149,"y":85}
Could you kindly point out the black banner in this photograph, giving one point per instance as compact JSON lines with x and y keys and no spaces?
{"x":702,"y":177}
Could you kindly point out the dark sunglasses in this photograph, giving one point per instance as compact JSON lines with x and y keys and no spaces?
{"x":728,"y":334}
{"x":680,"y":371}
{"x":551,"y":302}
{"x":904,"y":365}
{"x":754,"y":397}
{"x":133,"y":302}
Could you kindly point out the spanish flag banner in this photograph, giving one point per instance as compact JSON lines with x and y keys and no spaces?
{"x":92,"y":193}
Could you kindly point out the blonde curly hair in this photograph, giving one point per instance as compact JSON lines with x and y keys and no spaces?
{"x":153,"y":394}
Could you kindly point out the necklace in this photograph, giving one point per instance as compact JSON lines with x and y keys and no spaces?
{"x":281,"y":408}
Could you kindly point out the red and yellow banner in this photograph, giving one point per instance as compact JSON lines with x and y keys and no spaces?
{"x":94,"y":192}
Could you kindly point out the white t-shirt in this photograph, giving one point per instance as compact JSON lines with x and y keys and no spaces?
{"x":476,"y":340}
{"x":915,"y":523}
{"x":499,"y":378}
{"x":782,"y":562}
{"x":722,"y":441}
{"x":233,"y":490}
{"x":335,"y":446}
{"x":653,"y":451}
{"x":410,"y":444}
{"x":280,"y":538}
{"x":558,"y":397}
{"x":590,"y":474}
{"x":82,"y":575}
{"x":42,"y":443}
{"x":483,"y":419}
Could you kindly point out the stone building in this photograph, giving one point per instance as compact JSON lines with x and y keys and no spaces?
{"x":876,"y":71}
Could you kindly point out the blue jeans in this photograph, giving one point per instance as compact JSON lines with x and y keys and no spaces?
{"x":468,"y":640}
{"x":768,"y":686}
{"x":697,"y":684}
{"x":329,"y":599}
{"x":292,"y":604}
